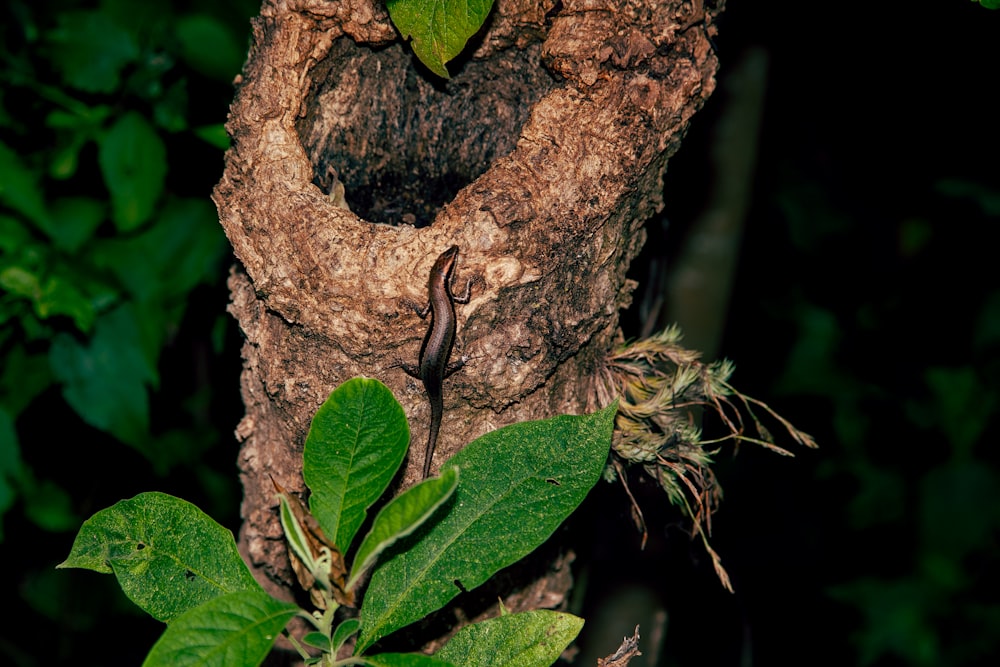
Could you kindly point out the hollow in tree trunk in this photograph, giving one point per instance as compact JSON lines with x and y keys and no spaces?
{"x":540,"y":159}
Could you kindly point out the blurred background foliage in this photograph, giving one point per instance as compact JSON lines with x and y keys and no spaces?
{"x":118,"y":365}
{"x":866,"y":310}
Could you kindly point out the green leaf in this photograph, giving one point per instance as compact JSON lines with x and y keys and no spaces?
{"x":19,"y":188}
{"x":50,"y":296}
{"x":10,"y":465}
{"x":356,"y":442}
{"x":171,"y":110}
{"x":404,"y":660}
{"x":47,"y":504}
{"x":343,"y":633}
{"x":963,"y":405}
{"x":210,"y":47}
{"x":181,"y":249}
{"x":13,"y":235}
{"x":518,"y":484}
{"x":77,"y":128}
{"x":74,"y":221}
{"x":61,"y":296}
{"x":65,"y":159}
{"x":106,"y":380}
{"x":899,"y":622}
{"x":133,"y":162}
{"x":295,"y":534}
{"x":529,"y":639}
{"x":214,"y":135}
{"x":90,"y":50}
{"x":23,"y":376}
{"x":439,"y":28}
{"x":318,"y":640}
{"x":400,"y":517}
{"x":20,"y":281}
{"x":84,"y":119}
{"x":234,"y":630}
{"x":168,"y":555}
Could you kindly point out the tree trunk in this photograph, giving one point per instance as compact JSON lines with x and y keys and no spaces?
{"x":541,"y":159}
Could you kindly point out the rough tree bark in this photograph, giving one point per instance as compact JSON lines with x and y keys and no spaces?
{"x":541,"y":159}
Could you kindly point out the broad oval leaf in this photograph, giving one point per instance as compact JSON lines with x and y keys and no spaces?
{"x":529,"y":639}
{"x":106,"y":380}
{"x":91,"y":49}
{"x":231,"y":630}
{"x":517,"y":485}
{"x":181,"y":248}
{"x":209,"y":46}
{"x":343,"y":632}
{"x":133,"y":162}
{"x":74,"y":220}
{"x":168,"y":555}
{"x":439,"y":28}
{"x":356,"y":442}
{"x":318,"y":640}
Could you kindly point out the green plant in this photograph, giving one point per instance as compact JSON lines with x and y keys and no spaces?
{"x":495,"y":502}
{"x":438,"y":30}
{"x":102,"y":239}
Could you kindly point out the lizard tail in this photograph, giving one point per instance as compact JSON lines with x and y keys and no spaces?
{"x":432,"y":440}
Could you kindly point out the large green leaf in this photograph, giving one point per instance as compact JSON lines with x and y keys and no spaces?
{"x":182,"y":248}
{"x":439,"y":28}
{"x":529,"y":639}
{"x":401,"y":516}
{"x":90,"y":49}
{"x":517,"y":485}
{"x":133,"y":162}
{"x":106,"y":380}
{"x":210,"y":47}
{"x":356,"y":442}
{"x":168,"y":555}
{"x":234,"y":630}
{"x":74,"y":220}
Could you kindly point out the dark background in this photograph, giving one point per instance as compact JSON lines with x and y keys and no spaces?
{"x":865,"y":310}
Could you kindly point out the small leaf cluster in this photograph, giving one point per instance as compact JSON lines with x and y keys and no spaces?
{"x":496,"y":501}
{"x":102,"y":237}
